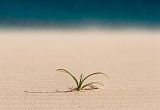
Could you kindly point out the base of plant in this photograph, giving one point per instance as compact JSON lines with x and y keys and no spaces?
{"x":82,"y":89}
{"x":92,"y":87}
{"x":76,"y":90}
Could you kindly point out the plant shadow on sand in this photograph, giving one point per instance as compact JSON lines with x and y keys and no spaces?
{"x":79,"y":83}
{"x":58,"y":91}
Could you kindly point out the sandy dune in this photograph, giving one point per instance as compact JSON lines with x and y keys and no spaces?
{"x":28,"y":60}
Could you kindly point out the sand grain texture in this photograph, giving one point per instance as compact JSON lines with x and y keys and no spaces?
{"x":28,"y":60}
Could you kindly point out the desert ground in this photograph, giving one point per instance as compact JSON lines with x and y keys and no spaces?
{"x":29,"y":59}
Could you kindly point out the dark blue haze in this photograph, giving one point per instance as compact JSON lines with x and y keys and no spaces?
{"x":73,"y":12}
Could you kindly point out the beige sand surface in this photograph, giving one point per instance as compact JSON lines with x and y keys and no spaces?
{"x":28,"y":60}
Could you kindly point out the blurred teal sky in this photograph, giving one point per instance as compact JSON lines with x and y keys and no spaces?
{"x":75,"y":12}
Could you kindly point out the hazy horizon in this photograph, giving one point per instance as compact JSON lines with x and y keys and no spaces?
{"x":71,"y":13}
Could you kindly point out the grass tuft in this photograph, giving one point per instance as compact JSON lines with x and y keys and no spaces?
{"x":79,"y":83}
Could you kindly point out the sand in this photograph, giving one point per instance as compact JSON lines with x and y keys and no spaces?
{"x":29,"y":59}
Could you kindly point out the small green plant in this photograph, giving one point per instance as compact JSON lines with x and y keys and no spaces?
{"x":79,"y":83}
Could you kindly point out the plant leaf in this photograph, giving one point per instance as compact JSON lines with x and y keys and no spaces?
{"x":80,"y":81}
{"x":92,"y":75}
{"x":91,"y":84}
{"x":65,"y":71}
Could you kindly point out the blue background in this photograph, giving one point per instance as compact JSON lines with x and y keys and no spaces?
{"x":64,"y":12}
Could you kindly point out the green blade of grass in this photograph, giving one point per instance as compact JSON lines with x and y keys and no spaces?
{"x":91,"y":84}
{"x":92,"y":75}
{"x":80,"y":81}
{"x":65,"y":71}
